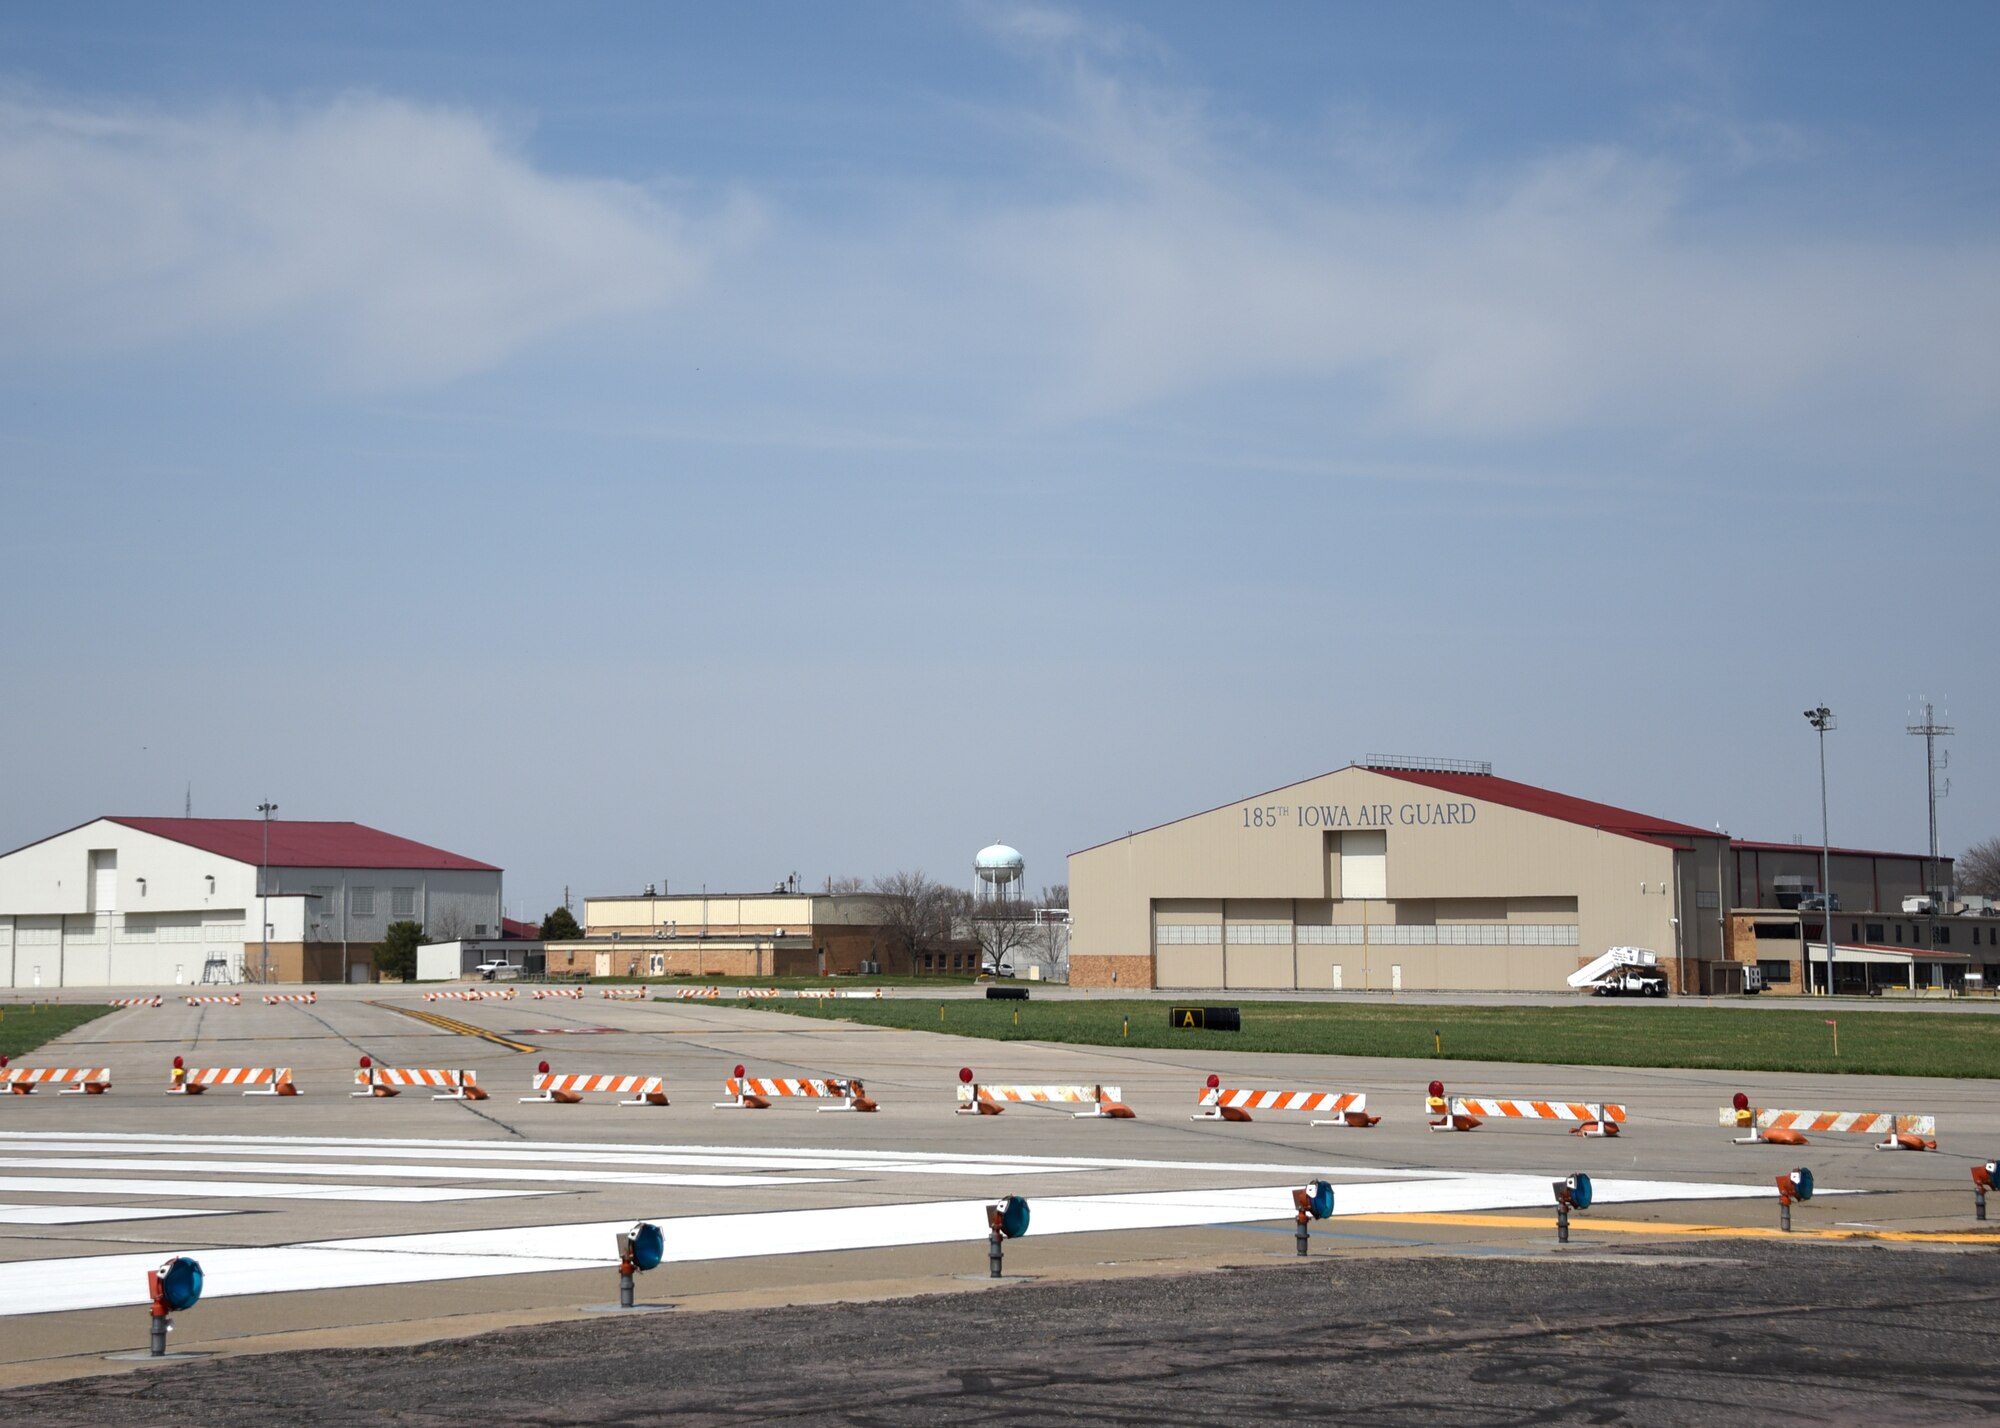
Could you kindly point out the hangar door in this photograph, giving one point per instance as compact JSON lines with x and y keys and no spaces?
{"x":1182,"y":966}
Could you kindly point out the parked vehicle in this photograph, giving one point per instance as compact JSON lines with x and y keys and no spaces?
{"x":991,"y":968}
{"x":491,"y":970}
{"x":1622,"y":971}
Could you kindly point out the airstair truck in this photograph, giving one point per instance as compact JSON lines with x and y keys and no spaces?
{"x":1623,"y":971}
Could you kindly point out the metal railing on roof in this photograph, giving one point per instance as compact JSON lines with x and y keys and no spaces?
{"x":1419,"y":763}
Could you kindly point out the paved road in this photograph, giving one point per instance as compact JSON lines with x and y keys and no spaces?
{"x":329,"y":1220}
{"x":1766,"y":1333}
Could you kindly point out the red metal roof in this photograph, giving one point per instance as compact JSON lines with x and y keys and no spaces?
{"x":297,"y":844}
{"x":514,"y":929}
{"x":1530,"y":799}
{"x":1751,"y":845}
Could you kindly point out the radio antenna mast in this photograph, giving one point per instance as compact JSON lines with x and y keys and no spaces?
{"x":1936,"y":761}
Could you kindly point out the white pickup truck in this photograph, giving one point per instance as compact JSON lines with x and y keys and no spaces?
{"x":1623,"y":971}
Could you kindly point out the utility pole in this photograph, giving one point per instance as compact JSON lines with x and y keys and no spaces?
{"x":264,"y":891}
{"x":1823,"y":719}
{"x":1936,"y":760}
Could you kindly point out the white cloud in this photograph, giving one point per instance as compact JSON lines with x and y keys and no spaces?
{"x":389,"y":244}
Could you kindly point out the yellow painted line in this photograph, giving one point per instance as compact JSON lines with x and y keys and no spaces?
{"x":462,"y":1028}
{"x":1589,"y":1223}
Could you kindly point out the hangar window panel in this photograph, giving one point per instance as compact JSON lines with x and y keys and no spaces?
{"x":140,"y":929}
{"x":361,"y":902}
{"x":1261,"y":934}
{"x":1344,"y":936}
{"x":34,"y":936}
{"x":402,"y":902}
{"x":1190,"y":936}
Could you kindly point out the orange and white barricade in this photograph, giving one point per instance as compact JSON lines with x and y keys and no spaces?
{"x":978,"y":1099}
{"x":301,"y":998}
{"x":1463,"y":1113}
{"x":544,"y":993}
{"x":474,"y":996}
{"x":624,"y":994}
{"x":134,"y":1001}
{"x":1233,"y":1103}
{"x":751,"y":1093}
{"x":1769,"y":1127}
{"x":256,"y":1080}
{"x":756,"y":992}
{"x":707,"y":994}
{"x":77,"y":1081}
{"x":383,"y":1082}
{"x":816,"y":994}
{"x":233,"y":1000}
{"x":568,"y":1088}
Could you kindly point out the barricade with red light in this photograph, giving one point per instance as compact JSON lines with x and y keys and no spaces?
{"x":1311,"y":1201}
{"x":624,"y":994}
{"x":189,"y":1080}
{"x":542,"y":994}
{"x":978,"y":1099}
{"x":1230,"y":1103}
{"x":755,"y":1093}
{"x":1772,"y":1127}
{"x":1005,"y":1220}
{"x":383,"y":1082}
{"x":77,"y":1080}
{"x":569,"y":1087}
{"x":1794,"y":1187}
{"x":1572,"y":1193}
{"x":173,"y":1287}
{"x":1598,"y":1119}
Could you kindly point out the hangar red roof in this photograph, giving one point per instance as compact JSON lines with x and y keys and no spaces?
{"x":296,"y":844}
{"x":1529,"y":799}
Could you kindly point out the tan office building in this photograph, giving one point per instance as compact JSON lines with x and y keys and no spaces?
{"x":1384,"y":878}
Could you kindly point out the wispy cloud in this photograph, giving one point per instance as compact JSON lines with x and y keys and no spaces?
{"x":392,"y":244}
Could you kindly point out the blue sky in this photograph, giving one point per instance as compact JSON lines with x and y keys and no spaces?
{"x":640,"y":442}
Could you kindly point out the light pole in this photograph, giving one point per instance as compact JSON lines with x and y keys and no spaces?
{"x":264,"y":892}
{"x":1822,"y":719}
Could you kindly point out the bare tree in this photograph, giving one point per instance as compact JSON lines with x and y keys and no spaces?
{"x":1978,"y":868}
{"x":1002,"y":929}
{"x":916,"y":912}
{"x":447,"y":924}
{"x":842,"y":887}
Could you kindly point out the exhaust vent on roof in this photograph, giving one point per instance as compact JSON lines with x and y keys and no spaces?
{"x":1417,"y":763}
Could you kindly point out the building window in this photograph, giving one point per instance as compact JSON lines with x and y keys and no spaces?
{"x":1943,"y":931}
{"x":361,"y":902}
{"x":478,"y":929}
{"x":1899,"y":934}
{"x":403,"y":903}
{"x":1260,"y":934}
{"x":1190,"y":936}
{"x":927,"y":961}
{"x":1853,"y":932}
{"x":1875,"y":932}
{"x":1789,"y":931}
{"x":1710,"y":901}
{"x":1775,"y":971}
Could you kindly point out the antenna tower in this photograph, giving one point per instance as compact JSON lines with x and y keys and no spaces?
{"x":1936,"y":761}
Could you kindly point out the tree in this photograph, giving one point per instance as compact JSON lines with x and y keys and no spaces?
{"x":1978,"y":868}
{"x":842,"y":887}
{"x":916,"y":914}
{"x":447,"y":924}
{"x":561,"y":926}
{"x":396,"y":956}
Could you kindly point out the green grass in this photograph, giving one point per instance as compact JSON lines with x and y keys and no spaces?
{"x":25,"y":1026}
{"x":1872,"y":1043}
{"x":788,"y":983}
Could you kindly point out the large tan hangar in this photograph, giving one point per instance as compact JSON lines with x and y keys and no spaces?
{"x":1396,"y":874}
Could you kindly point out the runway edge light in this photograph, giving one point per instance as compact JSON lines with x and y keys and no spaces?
{"x":174,"y":1286}
{"x":1794,"y":1187}
{"x":1572,"y":1193}
{"x":1311,"y":1201}
{"x":639,"y":1249}
{"x":1983,"y":1177}
{"x":1005,"y":1220}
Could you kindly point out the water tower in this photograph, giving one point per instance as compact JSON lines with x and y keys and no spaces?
{"x":998,"y":869}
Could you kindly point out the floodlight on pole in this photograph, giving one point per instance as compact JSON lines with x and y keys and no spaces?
{"x":266,"y":808}
{"x":1823,"y":720}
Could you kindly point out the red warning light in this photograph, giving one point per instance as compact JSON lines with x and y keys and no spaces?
{"x":739,"y":1071}
{"x":1437,"y":1088}
{"x":543,"y":1068}
{"x":178,"y":1063}
{"x":1213,"y":1080}
{"x":1740,"y":1101}
{"x":366,"y":1063}
{"x":965,"y":1073}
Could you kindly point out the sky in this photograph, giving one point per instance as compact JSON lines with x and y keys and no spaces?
{"x":642,"y":443}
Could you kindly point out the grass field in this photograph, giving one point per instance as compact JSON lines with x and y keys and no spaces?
{"x":25,"y":1026}
{"x":787,"y":983}
{"x":1871,"y":1043}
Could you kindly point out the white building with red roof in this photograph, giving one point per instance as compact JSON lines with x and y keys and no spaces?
{"x":138,"y":902}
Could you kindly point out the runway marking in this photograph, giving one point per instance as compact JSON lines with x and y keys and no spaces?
{"x":184,"y":1165}
{"x":154,"y":1189}
{"x":1586,"y":1225}
{"x":105,"y":1281}
{"x":461,"y":1028}
{"x":93,"y":1214}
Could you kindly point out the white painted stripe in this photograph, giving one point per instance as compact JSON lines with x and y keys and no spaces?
{"x":92,"y":1214}
{"x":196,"y":1165}
{"x":150,"y":1189}
{"x":105,"y":1281}
{"x":602,"y":1152}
